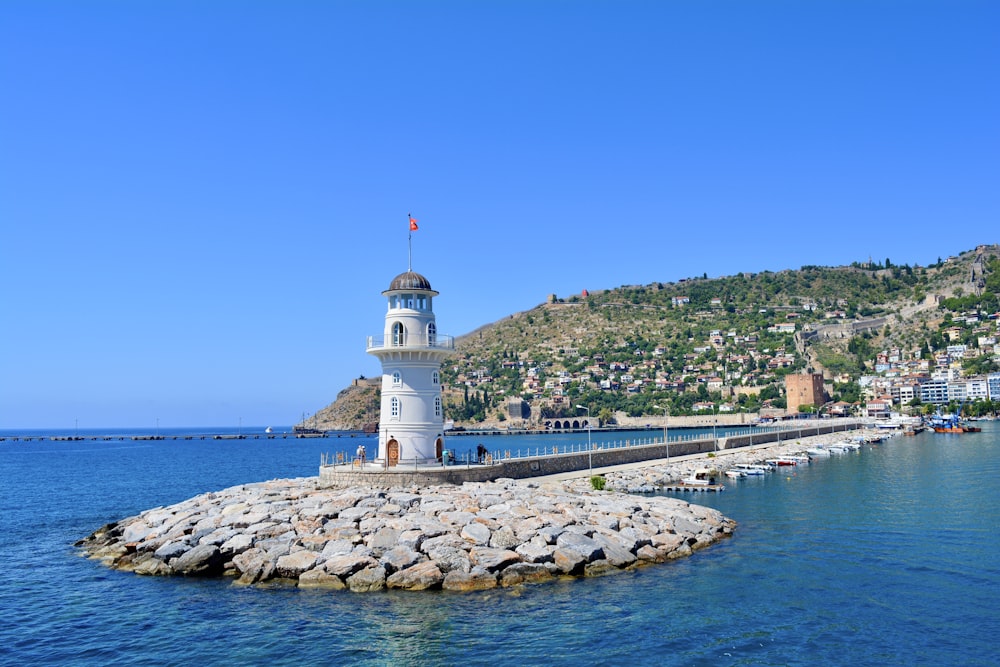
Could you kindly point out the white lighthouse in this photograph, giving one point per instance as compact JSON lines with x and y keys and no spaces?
{"x":411,"y":425}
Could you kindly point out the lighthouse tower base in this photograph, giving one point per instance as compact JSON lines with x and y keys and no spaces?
{"x":400,"y":445}
{"x":343,"y":476}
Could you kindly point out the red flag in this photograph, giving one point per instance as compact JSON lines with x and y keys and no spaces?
{"x":413,"y":224}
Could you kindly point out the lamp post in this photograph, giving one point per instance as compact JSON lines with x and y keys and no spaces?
{"x":715,"y":421}
{"x":666,"y":418}
{"x":590,"y":449}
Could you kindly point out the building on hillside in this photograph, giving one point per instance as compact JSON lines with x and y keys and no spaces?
{"x":993,"y":383}
{"x":879,"y":408}
{"x":934,"y":391}
{"x":804,"y":389}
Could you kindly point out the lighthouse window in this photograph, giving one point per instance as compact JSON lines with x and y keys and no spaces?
{"x":398,"y":333}
{"x":394,"y":408}
{"x":431,"y":333}
{"x":397,"y":379}
{"x":435,"y":377}
{"x":421,"y":302}
{"x":437,"y":406}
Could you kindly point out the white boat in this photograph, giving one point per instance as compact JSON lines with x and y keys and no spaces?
{"x":818,"y":451}
{"x":749,"y":469}
{"x":732,"y":473}
{"x":700,"y":477}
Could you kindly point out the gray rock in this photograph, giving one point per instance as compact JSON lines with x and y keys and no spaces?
{"x":137,"y":531}
{"x":412,"y":539}
{"x":236,"y":544}
{"x":551,"y":533}
{"x":253,"y":565}
{"x":449,"y":559}
{"x":150,"y":565}
{"x":459,"y":518}
{"x":383,"y":540}
{"x":478,"y":579}
{"x":337,"y":548}
{"x":535,"y":550}
{"x":367,"y":580}
{"x":346,"y":565}
{"x":614,"y":552}
{"x":417,"y":577}
{"x":405,"y":500}
{"x":317,"y":578}
{"x":171,"y":550}
{"x":449,"y":540}
{"x":476,"y":533}
{"x":568,"y":561}
{"x":489,"y":501}
{"x":202,"y":561}
{"x":399,"y":558}
{"x":294,"y":564}
{"x":504,"y":538}
{"x":491,"y":559}
{"x":599,"y":568}
{"x":524,"y":573}
{"x":585,"y":546}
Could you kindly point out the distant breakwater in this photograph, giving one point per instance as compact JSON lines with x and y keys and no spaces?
{"x":473,"y":536}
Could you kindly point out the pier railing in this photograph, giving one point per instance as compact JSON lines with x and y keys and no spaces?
{"x":677,"y":445}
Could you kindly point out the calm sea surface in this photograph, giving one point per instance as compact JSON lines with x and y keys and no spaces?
{"x":888,"y":556}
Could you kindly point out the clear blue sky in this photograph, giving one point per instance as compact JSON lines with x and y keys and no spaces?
{"x":201,"y":202}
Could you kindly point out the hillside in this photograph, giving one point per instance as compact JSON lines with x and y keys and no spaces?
{"x":356,"y":405}
{"x":727,"y":342}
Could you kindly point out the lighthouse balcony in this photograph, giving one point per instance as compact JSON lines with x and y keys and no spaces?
{"x":411,"y":342}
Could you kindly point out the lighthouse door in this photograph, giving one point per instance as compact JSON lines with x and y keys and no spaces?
{"x":392,"y":452}
{"x":438,"y":448}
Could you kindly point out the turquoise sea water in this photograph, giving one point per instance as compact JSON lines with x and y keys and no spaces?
{"x":887,"y":556}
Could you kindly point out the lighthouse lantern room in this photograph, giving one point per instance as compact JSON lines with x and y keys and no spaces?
{"x":411,"y":424}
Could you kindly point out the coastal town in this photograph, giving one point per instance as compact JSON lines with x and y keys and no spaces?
{"x":926,"y":353}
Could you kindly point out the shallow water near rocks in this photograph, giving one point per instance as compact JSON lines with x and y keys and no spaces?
{"x":885,"y":556}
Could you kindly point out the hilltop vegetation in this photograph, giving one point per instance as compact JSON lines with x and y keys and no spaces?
{"x":700,"y":344}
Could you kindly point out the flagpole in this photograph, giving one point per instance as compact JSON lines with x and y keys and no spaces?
{"x":409,"y":243}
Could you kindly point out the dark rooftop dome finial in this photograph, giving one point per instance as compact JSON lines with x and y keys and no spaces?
{"x":409,"y":280}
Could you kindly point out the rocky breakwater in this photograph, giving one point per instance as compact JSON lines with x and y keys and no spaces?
{"x":474,"y":536}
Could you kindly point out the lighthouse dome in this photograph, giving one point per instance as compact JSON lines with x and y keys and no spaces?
{"x":408,"y":281}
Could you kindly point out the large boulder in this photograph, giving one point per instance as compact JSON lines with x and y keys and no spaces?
{"x":476,"y":533}
{"x":348,"y":564}
{"x":416,"y":578}
{"x":568,"y":561}
{"x":294,"y":564}
{"x":254,"y":565}
{"x":399,"y":558}
{"x":367,"y":580}
{"x":585,"y":546}
{"x":492,"y":559}
{"x":318,"y":578}
{"x":524,"y":573}
{"x":478,"y":579}
{"x":204,"y":560}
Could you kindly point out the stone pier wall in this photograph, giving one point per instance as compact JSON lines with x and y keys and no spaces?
{"x":345,"y":476}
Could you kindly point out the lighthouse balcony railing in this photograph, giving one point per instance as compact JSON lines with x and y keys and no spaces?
{"x":412,"y":341}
